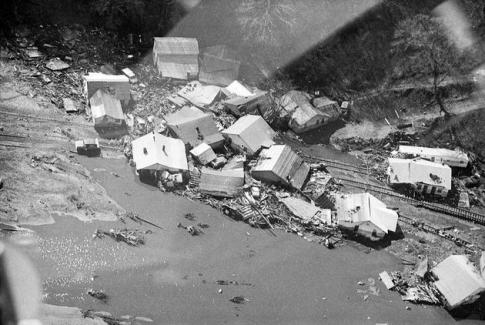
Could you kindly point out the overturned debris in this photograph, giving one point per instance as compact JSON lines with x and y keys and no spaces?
{"x":131,"y":237}
{"x":307,"y":211}
{"x":203,"y":153}
{"x":98,"y":294}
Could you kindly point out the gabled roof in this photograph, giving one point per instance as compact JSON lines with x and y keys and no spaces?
{"x":158,"y":152}
{"x":250,"y":131}
{"x":191,"y":125}
{"x":411,"y":171}
{"x":198,"y":94}
{"x":237,"y":88}
{"x":103,"y":104}
{"x":458,"y":280}
{"x":364,"y":207}
{"x":175,"y":46}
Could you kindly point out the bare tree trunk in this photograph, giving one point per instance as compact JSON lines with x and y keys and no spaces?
{"x":439,"y":101}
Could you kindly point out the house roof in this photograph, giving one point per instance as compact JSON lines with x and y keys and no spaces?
{"x":284,"y":163}
{"x":237,"y":88}
{"x":226,"y":183}
{"x":155,"y":151}
{"x":445,"y":156}
{"x":458,"y":280}
{"x":175,"y":46}
{"x":103,"y":104}
{"x":363,"y":207}
{"x":253,"y":131}
{"x":306,"y":211}
{"x":185,"y":123}
{"x":411,"y":171}
{"x":218,"y":65}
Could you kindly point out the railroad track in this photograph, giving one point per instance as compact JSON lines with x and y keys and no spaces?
{"x":336,"y":164}
{"x":47,"y":119}
{"x":438,"y":207}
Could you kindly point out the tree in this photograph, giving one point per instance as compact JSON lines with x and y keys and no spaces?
{"x":423,"y":50}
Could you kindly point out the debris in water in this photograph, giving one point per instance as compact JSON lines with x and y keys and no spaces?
{"x":239,"y":300}
{"x":131,"y":237}
{"x":98,"y":294}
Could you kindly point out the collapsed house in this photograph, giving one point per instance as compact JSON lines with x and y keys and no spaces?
{"x":176,"y":57}
{"x":117,"y":85}
{"x":427,"y":177}
{"x":107,"y":114}
{"x":365,"y":215}
{"x":193,"y":127}
{"x":236,"y":88}
{"x":302,"y":115}
{"x":307,"y":211}
{"x":249,"y":134}
{"x":221,"y":183}
{"x":154,"y":151}
{"x":200,"y":95}
{"x":279,"y":164}
{"x":218,"y":65}
{"x":459,"y":282}
{"x":203,"y":153}
{"x":257,"y":103}
{"x":453,"y":158}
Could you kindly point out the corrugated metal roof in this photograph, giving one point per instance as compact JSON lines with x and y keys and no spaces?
{"x":191,"y":125}
{"x":360,"y":208}
{"x":458,"y":280}
{"x":103,"y":104}
{"x":218,"y":65}
{"x":225,"y":183}
{"x":175,"y":45}
{"x":439,"y":155}
{"x":408,"y":171}
{"x":158,"y":152}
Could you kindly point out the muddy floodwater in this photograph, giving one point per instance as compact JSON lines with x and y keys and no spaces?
{"x":173,"y":278}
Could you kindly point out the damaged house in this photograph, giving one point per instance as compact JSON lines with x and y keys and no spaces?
{"x":302,"y":115}
{"x":453,"y":158}
{"x":218,"y":65}
{"x":249,"y":134}
{"x":107,"y":114}
{"x":257,"y":103}
{"x":365,"y":215}
{"x":116,"y":85}
{"x":176,"y":57}
{"x":221,"y":183}
{"x":279,"y":164}
{"x":427,"y":177}
{"x":458,"y":281}
{"x":154,"y":151}
{"x":193,"y":127}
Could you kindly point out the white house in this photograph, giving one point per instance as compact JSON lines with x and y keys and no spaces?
{"x":429,"y":177}
{"x":249,"y":133}
{"x":154,"y":151}
{"x":453,"y":158}
{"x":280,"y":164}
{"x":365,"y":214}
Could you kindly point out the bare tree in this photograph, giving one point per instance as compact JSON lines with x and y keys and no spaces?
{"x":422,"y":50}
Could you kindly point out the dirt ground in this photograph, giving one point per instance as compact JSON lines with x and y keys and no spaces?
{"x":39,"y":169}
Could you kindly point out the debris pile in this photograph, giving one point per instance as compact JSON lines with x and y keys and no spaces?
{"x":131,"y":237}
